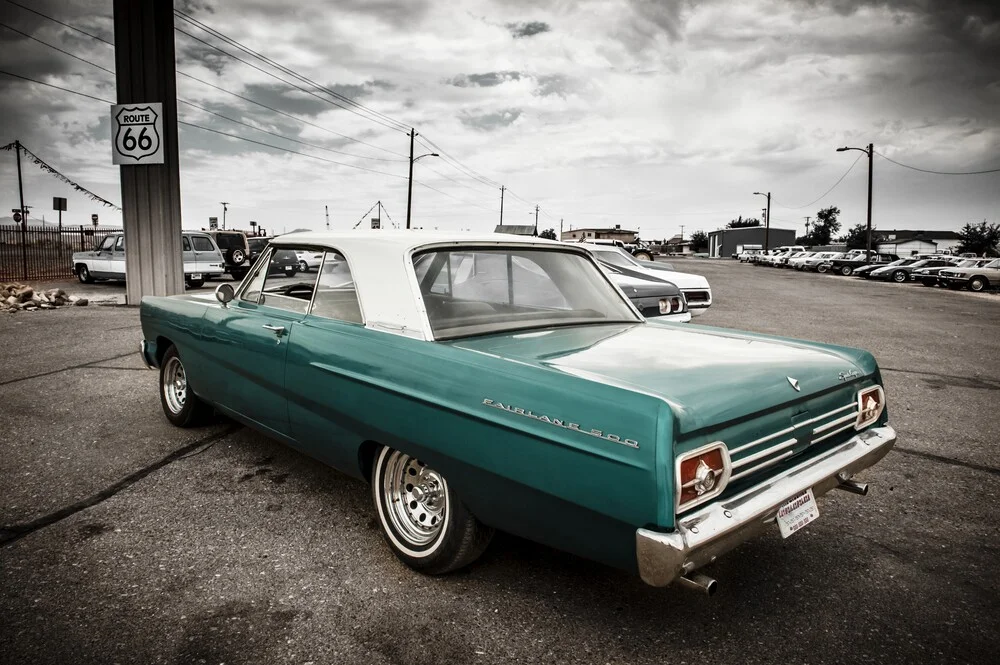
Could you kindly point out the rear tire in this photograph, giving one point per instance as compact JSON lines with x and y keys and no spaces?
{"x":899,"y":276}
{"x":180,"y":405}
{"x":929,"y":282}
{"x":642,"y":256}
{"x":821,"y":269}
{"x":978,"y":283}
{"x":290,"y":272}
{"x":424,"y":523}
{"x":846,"y":271}
{"x":83,"y":274}
{"x":196,"y":283}
{"x":303,"y":266}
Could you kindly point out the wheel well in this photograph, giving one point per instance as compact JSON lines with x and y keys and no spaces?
{"x":982,"y":277}
{"x":366,"y":458}
{"x":162,"y":344}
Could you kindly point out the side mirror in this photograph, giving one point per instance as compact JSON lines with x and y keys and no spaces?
{"x":224,"y":293}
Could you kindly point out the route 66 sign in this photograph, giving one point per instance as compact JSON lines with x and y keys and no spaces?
{"x":138,"y":133}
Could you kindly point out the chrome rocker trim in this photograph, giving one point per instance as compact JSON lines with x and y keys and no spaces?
{"x":720,"y":526}
{"x":143,"y":353}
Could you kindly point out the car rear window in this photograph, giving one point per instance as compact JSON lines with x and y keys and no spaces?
{"x":202,"y":244}
{"x":230,"y":241}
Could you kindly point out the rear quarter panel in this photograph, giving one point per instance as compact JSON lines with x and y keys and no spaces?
{"x":177,"y":320}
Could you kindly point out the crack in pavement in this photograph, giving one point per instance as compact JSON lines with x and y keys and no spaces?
{"x":66,"y":369}
{"x":948,"y":460}
{"x":14,"y":532}
{"x":951,"y":379}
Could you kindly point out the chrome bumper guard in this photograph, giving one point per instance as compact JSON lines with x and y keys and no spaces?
{"x":720,"y":526}
{"x":144,"y":354}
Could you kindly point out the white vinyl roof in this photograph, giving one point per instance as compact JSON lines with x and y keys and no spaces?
{"x":382,"y":267}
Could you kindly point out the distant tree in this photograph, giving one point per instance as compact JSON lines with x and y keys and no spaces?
{"x":982,"y":239}
{"x":823,"y":228}
{"x":740,"y":223}
{"x":699,"y":241}
{"x":548,"y":233}
{"x":857,"y":237}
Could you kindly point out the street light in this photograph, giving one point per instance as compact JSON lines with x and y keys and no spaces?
{"x":409,"y":186}
{"x":224,"y":209}
{"x":767,"y":219}
{"x":870,"y":150}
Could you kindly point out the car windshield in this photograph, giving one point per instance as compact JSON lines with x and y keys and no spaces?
{"x":616,"y":257}
{"x":229,"y":241}
{"x":993,"y":264}
{"x":471,"y":291}
{"x":917,"y":264}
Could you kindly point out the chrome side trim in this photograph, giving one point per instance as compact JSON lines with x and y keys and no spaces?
{"x":764,"y":453}
{"x":834,"y":432}
{"x":770,"y":462}
{"x":142,"y":354}
{"x":833,"y":423}
{"x":792,"y":428}
{"x":717,"y":527}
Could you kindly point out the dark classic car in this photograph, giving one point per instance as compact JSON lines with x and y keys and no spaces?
{"x":488,"y":382}
{"x":847,"y":266}
{"x":866,"y":270}
{"x":929,"y":276}
{"x":281,"y":261}
{"x":900,"y":273}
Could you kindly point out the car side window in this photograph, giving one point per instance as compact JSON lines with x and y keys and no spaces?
{"x":186,"y":243}
{"x":120,"y":245}
{"x":272,"y":286}
{"x":107,"y":244}
{"x":336,"y":296}
{"x":202,"y":244}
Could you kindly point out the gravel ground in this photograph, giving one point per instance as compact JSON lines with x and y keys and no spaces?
{"x":128,"y":541}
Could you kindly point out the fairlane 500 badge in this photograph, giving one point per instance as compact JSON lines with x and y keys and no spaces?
{"x":849,"y":374}
{"x":600,"y":434}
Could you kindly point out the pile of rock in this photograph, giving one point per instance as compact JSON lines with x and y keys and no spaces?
{"x":18,"y":297}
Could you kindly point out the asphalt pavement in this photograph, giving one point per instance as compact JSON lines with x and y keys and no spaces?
{"x":125,"y":540}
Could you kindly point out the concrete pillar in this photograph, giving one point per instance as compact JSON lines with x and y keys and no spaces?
{"x":151,"y":193}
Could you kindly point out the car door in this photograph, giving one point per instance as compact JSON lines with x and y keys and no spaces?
{"x":100,"y":265}
{"x":187,"y":255}
{"x":248,"y":340}
{"x":116,"y":264}
{"x":204,"y":253}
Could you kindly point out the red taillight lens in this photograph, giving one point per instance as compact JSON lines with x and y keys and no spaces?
{"x":702,"y":474}
{"x":871,"y":403}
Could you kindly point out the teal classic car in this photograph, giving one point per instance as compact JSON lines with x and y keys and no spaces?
{"x":498,"y":382}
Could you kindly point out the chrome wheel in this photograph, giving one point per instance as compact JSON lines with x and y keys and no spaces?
{"x":414,"y":499}
{"x":174,"y":385}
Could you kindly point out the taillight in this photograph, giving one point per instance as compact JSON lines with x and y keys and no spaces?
{"x":702,"y":474}
{"x":871,"y":403}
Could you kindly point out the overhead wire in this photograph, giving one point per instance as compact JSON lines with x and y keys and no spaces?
{"x":233,"y":42}
{"x":53,"y":46}
{"x":821,"y":196}
{"x":55,"y":20}
{"x":914,"y":168}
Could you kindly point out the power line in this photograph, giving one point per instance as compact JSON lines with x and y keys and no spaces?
{"x":289,"y":150}
{"x":851,"y":168}
{"x":287,"y":70}
{"x":288,"y":83}
{"x":50,"y":85}
{"x":54,"y":20}
{"x":52,"y":46}
{"x":914,"y":168}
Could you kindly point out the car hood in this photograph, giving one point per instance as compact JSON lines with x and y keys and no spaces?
{"x":683,"y":280}
{"x":644,"y":288}
{"x":687,"y":365}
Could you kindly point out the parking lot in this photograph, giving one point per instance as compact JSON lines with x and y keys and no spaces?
{"x":123,"y":539}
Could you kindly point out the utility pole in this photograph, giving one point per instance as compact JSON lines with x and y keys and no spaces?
{"x":807,"y":223}
{"x":536,"y":220}
{"x":502,"y":188}
{"x":327,"y":208}
{"x":560,"y":228}
{"x":868,"y":254}
{"x":224,"y":208}
{"x":409,"y":183}
{"x":767,"y":219}
{"x":682,"y":233}
{"x":24,"y":213}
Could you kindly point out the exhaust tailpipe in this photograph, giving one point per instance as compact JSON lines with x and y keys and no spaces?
{"x":853,"y":486}
{"x":700,"y":583}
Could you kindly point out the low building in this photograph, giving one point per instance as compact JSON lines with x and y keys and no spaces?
{"x":676,"y":245}
{"x":908,"y":243}
{"x":516,"y":229}
{"x":726,"y":242}
{"x":617,"y":233}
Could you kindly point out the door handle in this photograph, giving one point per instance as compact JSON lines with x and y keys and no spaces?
{"x":277,"y":330}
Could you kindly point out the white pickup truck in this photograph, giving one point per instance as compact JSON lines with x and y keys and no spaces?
{"x":202,"y":259}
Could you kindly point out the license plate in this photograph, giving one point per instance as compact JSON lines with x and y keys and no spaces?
{"x":797,"y":512}
{"x":196,"y":275}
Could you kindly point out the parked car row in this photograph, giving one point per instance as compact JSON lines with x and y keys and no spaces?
{"x":946,"y":270}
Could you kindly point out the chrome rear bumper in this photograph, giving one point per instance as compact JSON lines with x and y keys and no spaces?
{"x":720,"y":526}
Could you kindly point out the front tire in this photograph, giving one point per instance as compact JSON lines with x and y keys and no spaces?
{"x":642,"y":256}
{"x":180,"y":405}
{"x":83,"y":274}
{"x":425,"y":524}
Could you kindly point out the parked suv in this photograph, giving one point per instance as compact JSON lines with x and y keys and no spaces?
{"x":201,"y":256}
{"x":235,"y":251}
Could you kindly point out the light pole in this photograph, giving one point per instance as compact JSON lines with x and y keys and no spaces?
{"x":224,"y":209}
{"x":767,"y":219}
{"x":409,"y":186}
{"x":870,"y":151}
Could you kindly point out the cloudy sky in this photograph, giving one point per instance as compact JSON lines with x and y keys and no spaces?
{"x":649,"y":114}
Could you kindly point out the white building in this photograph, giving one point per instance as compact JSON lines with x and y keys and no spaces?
{"x":908,"y":243}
